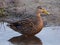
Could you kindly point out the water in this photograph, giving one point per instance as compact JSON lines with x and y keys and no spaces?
{"x":48,"y":36}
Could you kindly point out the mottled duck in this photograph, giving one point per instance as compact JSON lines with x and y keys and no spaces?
{"x":31,"y":25}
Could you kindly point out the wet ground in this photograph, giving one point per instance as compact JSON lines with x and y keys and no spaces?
{"x":48,"y":36}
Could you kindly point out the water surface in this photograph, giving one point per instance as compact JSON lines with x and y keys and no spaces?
{"x":48,"y":36}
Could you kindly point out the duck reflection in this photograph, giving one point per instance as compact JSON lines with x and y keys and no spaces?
{"x":22,"y":40}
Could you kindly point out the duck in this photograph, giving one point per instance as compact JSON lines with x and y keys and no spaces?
{"x":31,"y":25}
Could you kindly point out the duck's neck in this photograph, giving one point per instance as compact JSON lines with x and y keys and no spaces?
{"x":39,"y":17}
{"x":38,"y":14}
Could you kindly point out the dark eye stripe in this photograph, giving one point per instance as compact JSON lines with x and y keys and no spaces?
{"x":39,"y":7}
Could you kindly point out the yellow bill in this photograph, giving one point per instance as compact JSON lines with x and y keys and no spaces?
{"x":45,"y":11}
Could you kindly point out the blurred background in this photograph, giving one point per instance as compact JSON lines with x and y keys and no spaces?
{"x":13,"y":7}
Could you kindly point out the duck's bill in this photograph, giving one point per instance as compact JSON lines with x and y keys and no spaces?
{"x":45,"y":11}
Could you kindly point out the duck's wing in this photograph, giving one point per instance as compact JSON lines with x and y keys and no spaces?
{"x":23,"y":25}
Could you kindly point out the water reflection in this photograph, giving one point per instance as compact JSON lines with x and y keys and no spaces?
{"x":22,"y":40}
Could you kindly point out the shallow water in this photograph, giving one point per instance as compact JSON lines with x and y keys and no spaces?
{"x":48,"y":36}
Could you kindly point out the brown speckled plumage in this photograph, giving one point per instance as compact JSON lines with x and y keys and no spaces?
{"x":28,"y":26}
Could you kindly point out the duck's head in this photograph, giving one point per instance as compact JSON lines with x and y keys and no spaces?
{"x":42,"y":10}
